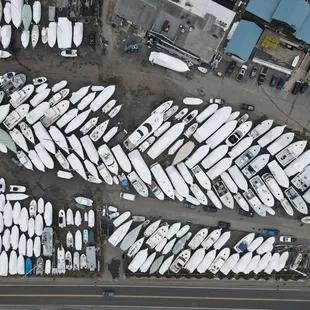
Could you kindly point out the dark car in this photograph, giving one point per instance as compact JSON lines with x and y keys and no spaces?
{"x":108,"y":293}
{"x":224,"y":225}
{"x":92,"y":39}
{"x":245,"y":213}
{"x":209,"y":209}
{"x":262,"y":75}
{"x":270,"y":232}
{"x":273,"y":81}
{"x":296,"y":87}
{"x":281,"y":82}
{"x":230,"y":68}
{"x":241,"y":73}
{"x":245,"y":106}
{"x":189,"y":205}
{"x":304,"y":87}
{"x":253,"y":72}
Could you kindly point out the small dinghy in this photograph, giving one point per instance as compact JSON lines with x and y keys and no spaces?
{"x":69,"y":53}
{"x":39,"y":80}
{"x":202,"y":70}
{"x":44,"y":35}
{"x":17,"y":188}
{"x":35,"y":35}
{"x":27,"y":132}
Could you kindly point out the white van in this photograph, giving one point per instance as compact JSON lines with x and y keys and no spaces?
{"x":127,"y":196}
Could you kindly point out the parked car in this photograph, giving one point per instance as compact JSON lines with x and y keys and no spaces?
{"x":245,"y":106}
{"x":296,"y":88}
{"x":262,"y":75}
{"x":224,"y":225}
{"x":281,"y":82}
{"x":241,"y":73}
{"x":230,"y":68}
{"x":270,"y":232}
{"x":273,"y":80}
{"x":245,"y":213}
{"x":287,"y":239}
{"x":108,"y":293}
{"x":217,"y":100}
{"x":209,"y":209}
{"x":304,"y":87}
{"x":128,"y":196}
{"x":253,"y":72}
{"x":188,"y":205}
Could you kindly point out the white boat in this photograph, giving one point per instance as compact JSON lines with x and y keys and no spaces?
{"x":207,"y":112}
{"x":85,"y":102}
{"x":115,"y":111}
{"x":265,"y":246}
{"x":40,"y":97}
{"x":177,"y":181}
{"x":76,"y":261}
{"x":64,"y":33}
{"x":14,"y":237}
{"x":61,"y":218}
{"x":201,"y":177}
{"x":20,"y":96}
{"x":4,"y":110}
{"x":273,"y":263}
{"x":212,"y":124}
{"x":78,"y":33}
{"x":296,"y":200}
{"x":2,"y":197}
{"x":247,"y":156}
{"x":102,"y":98}
{"x":140,"y":166}
{"x":206,"y":261}
{"x":219,"y":260}
{"x":109,"y":106}
{"x":219,"y":168}
{"x":220,"y":135}
{"x":23,"y":220}
{"x":185,"y":173}
{"x":241,"y":202}
{"x":306,"y":196}
{"x":89,"y":125}
{"x":197,"y":156}
{"x":37,"y":246}
{"x":254,"y":202}
{"x":183,"y":152}
{"x":70,"y":218}
{"x":78,"y":220}
{"x":157,"y":236}
{"x":84,"y":201}
{"x":198,"y":238}
{"x":64,"y":174}
{"x":224,"y":194}
{"x":163,"y":107}
{"x":99,"y":131}
{"x":298,"y":164}
{"x":144,"y":131}
{"x":19,"y":139}
{"x":13,"y":263}
{"x":44,"y":137}
{"x":7,"y":12}
{"x":67,"y":117}
{"x":146,"y":144}
{"x":242,"y":263}
{"x":169,"y":62}
{"x":91,"y":218}
{"x":222,"y":240}
{"x":16,"y":116}
{"x":16,"y":196}
{"x":39,"y":80}
{"x":92,"y":152}
{"x":59,"y":86}
{"x":192,"y":101}
{"x":6,"y":34}
{"x":291,"y":152}
{"x":175,"y":147}
{"x":156,"y":191}
{"x":44,"y":35}
{"x":59,"y":138}
{"x":190,"y":131}
{"x":78,"y":95}
{"x":273,"y":186}
{"x":190,"y":117}
{"x":162,"y":180}
{"x":91,"y":168}
{"x":211,"y":239}
{"x":301,"y":180}
{"x":83,"y":262}
{"x":48,"y":267}
{"x":138,"y":184}
{"x":230,"y":263}
{"x":271,"y":135}
{"x":76,"y":145}
{"x":135,"y":248}
{"x":77,"y":121}
{"x":233,"y":116}
{"x":29,"y":248}
{"x":282,"y":261}
{"x":239,"y":133}
{"x":108,"y":158}
{"x":131,"y":237}
{"x":283,"y":141}
{"x":55,"y":112}
{"x":256,"y":165}
{"x":163,"y":128}
{"x":77,"y":165}
{"x":36,"y":11}
{"x":105,"y":174}
{"x":214,"y":199}
{"x":22,"y":245}
{"x":34,"y":115}
{"x":78,"y":240}
{"x":38,"y":225}
{"x":35,"y":159}
{"x":15,"y":215}
{"x":41,"y":88}
{"x":262,"y":191}
{"x":229,"y":182}
{"x":165,"y":140}
{"x":119,"y":233}
{"x":16,"y":12}
{"x":260,"y":129}
{"x":165,"y":265}
{"x":181,"y":114}
{"x":24,"y":160}
{"x":151,"y":228}
{"x":6,"y":240}
{"x":48,"y":214}
{"x":35,"y":35}
{"x":69,"y":53}
{"x":215,"y":156}
{"x":243,"y":145}
{"x":112,"y":132}
{"x":255,"y":244}
{"x":252,"y":264}
{"x":62,"y":160}
{"x":121,"y":219}
{"x":279,"y":174}
{"x":68,"y":263}
{"x":195,"y":260}
{"x":61,"y":95}
{"x":148,"y":262}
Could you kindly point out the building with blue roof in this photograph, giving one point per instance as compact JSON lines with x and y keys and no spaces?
{"x":291,"y":17}
{"x":244,"y":40}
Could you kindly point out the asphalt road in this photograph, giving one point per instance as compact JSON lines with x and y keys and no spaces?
{"x":154,"y":297}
